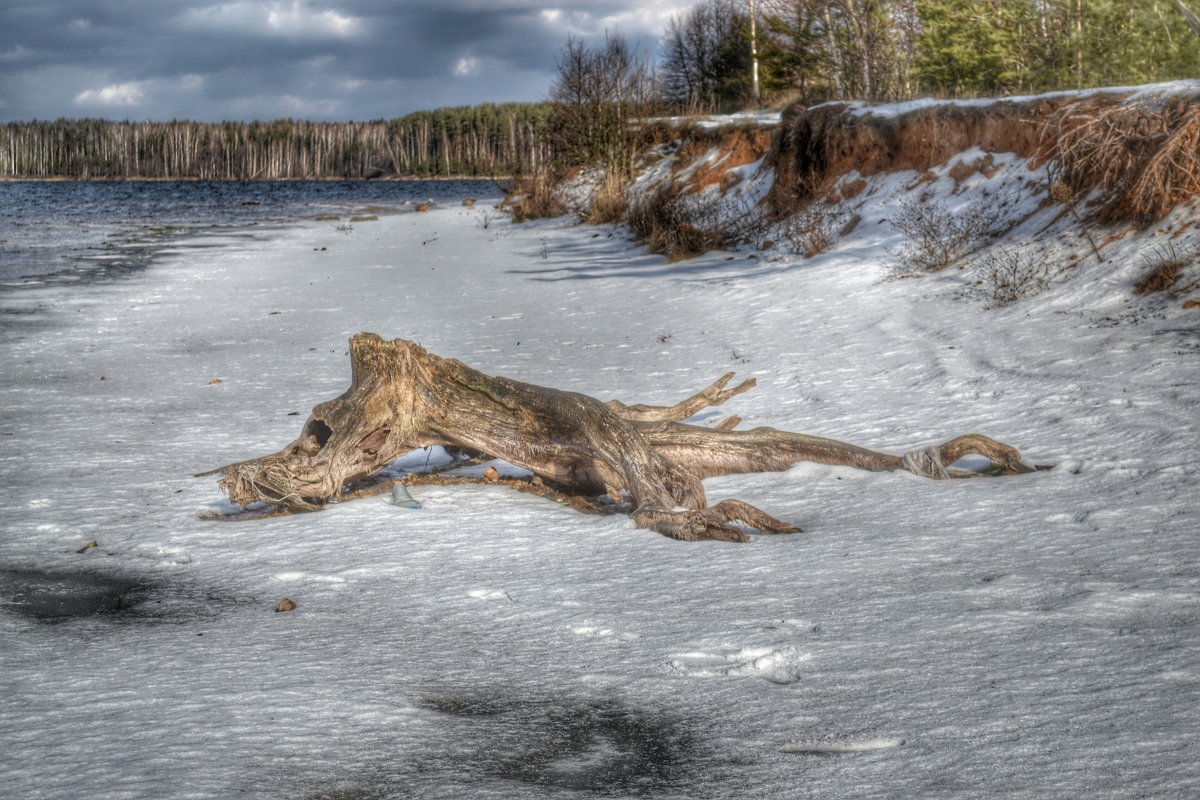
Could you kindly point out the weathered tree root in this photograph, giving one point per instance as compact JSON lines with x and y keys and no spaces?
{"x":596,"y":457}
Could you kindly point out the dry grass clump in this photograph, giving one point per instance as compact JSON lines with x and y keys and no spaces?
{"x":1163,"y":268}
{"x":609,"y":201}
{"x":537,"y":196}
{"x":1145,"y":155}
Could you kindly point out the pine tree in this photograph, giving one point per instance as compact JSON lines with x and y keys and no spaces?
{"x":973,"y":47}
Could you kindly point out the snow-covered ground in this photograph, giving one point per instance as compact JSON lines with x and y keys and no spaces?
{"x":1021,"y":637}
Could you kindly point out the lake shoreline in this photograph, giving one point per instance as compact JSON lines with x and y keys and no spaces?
{"x":192,"y":179}
{"x":61,"y":226}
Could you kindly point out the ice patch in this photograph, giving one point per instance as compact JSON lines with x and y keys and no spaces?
{"x":588,"y":630}
{"x":168,"y":555}
{"x":490,"y":594}
{"x":296,"y":577}
{"x":780,"y":665}
{"x":837,"y":747}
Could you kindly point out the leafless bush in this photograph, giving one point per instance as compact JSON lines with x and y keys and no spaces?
{"x":677,"y":224}
{"x":681,"y":224}
{"x":938,"y":237}
{"x":740,"y":221}
{"x":815,"y":229}
{"x":1009,"y":274}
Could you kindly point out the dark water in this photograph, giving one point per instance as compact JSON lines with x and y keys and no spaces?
{"x":61,"y":232}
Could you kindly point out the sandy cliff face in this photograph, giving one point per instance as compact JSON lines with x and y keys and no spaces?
{"x":1141,"y":147}
{"x":1027,"y":192}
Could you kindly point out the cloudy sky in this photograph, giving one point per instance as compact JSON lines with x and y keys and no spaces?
{"x":316,"y":59}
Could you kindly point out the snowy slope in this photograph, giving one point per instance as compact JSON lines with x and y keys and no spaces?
{"x":1019,"y":637}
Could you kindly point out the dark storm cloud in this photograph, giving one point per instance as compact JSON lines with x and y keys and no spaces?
{"x":321,"y":59}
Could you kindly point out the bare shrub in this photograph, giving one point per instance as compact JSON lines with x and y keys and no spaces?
{"x":938,"y":237}
{"x":815,"y":229}
{"x":737,"y":219}
{"x":1162,"y":268}
{"x":681,"y":224}
{"x":537,"y":196}
{"x":677,"y":224}
{"x":1009,"y":274}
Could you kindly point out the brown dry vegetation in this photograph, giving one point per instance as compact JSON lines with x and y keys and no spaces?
{"x":537,"y":196}
{"x":609,"y":202}
{"x":1164,"y":266}
{"x":1159,"y":278}
{"x":671,"y":222}
{"x":1145,"y":155}
{"x":677,"y":219}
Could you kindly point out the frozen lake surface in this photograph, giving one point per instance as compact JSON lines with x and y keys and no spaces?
{"x":68,"y":232}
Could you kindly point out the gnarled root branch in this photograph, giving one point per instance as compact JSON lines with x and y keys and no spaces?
{"x":597,"y":457}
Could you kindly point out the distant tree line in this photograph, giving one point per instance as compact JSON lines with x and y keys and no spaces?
{"x":721,"y":55}
{"x":486,"y":140}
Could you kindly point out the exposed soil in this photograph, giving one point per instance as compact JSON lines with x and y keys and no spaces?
{"x":820,"y":144}
{"x":1145,"y":155}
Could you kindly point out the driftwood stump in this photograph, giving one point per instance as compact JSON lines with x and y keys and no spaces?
{"x":597,"y":456}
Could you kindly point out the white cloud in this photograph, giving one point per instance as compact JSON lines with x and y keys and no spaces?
{"x":466,"y":66}
{"x":288,"y":105}
{"x":296,"y":19}
{"x":118,"y":94}
{"x":646,"y":18}
{"x":18,"y":53}
{"x":191,"y":81}
{"x":79,"y":24}
{"x":302,"y":106}
{"x":650,"y":18}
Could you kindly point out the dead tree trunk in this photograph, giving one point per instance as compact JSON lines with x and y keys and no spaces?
{"x":402,"y":398}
